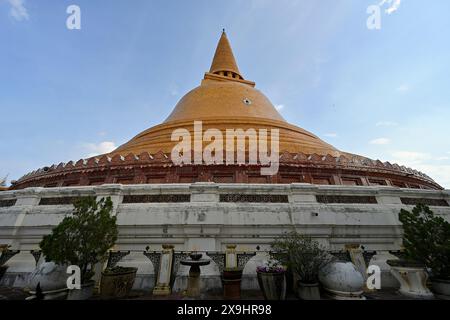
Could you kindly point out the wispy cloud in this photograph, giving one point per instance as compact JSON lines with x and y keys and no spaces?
{"x":386,"y":124}
{"x":3,"y":181}
{"x":411,"y":157}
{"x":403,"y":88}
{"x":18,"y":10}
{"x":439,"y":173}
{"x":331,"y":135}
{"x":279,"y":107}
{"x":424,"y":162}
{"x":174,"y":89}
{"x":393,"y":5}
{"x":93,"y":149}
{"x":380,"y":141}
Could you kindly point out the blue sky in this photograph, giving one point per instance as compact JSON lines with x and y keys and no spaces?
{"x":68,"y":94}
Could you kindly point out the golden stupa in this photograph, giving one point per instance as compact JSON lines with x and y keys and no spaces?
{"x":226,"y":100}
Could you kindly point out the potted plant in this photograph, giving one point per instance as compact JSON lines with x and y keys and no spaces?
{"x":117,"y":282}
{"x":272,"y":280}
{"x":82,"y":239}
{"x":231,"y":281}
{"x":305,"y":257}
{"x":426,"y":239}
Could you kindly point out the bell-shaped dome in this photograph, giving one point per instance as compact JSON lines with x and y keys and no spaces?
{"x":225,"y":100}
{"x":222,"y":100}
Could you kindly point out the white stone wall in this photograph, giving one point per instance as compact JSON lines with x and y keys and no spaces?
{"x":206,"y":224}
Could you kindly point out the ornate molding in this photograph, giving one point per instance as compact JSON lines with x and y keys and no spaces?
{"x":115,"y":257}
{"x":144,"y":160}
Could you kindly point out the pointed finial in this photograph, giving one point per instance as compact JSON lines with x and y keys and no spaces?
{"x":224,"y":60}
{"x":223,"y":30}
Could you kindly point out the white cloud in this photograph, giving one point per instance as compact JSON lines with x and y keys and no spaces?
{"x":3,"y":181}
{"x":410,"y":158}
{"x":18,"y":10}
{"x":393,"y":5}
{"x":279,"y":107}
{"x":174,"y":89}
{"x":439,"y":173}
{"x":331,"y":135}
{"x":93,"y":149}
{"x":442,"y":158}
{"x":403,"y":88}
{"x":386,"y":124}
{"x":380,"y":141}
{"x":423,"y":162}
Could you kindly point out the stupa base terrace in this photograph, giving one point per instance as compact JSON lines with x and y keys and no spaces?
{"x":206,"y":217}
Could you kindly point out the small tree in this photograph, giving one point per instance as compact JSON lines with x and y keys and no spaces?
{"x":426,"y":239}
{"x":84,"y":237}
{"x":301,"y":254}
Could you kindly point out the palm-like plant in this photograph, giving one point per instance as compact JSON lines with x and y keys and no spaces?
{"x":301,"y":254}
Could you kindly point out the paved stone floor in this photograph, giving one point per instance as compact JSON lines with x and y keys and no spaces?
{"x":12,"y":294}
{"x":19,"y":294}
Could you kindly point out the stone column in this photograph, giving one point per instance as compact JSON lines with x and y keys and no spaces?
{"x":231,"y":257}
{"x":164,"y":273}
{"x":110,"y":190}
{"x":303,"y":192}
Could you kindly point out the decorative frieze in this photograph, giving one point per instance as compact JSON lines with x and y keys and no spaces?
{"x":297,"y":165}
{"x":115,"y":257}
{"x":6,"y":255}
{"x":58,"y":201}
{"x":265,"y":198}
{"x":36,"y":255}
{"x":7,"y":203}
{"x":322,"y":198}
{"x":154,"y":257}
{"x":428,"y":202}
{"x":243,"y":258}
{"x":218,"y":258}
{"x":156,"y":198}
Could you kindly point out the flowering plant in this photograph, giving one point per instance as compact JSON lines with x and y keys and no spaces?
{"x":271,"y":266}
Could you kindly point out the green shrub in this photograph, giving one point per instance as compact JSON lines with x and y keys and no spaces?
{"x":426,"y":239}
{"x":83,"y":238}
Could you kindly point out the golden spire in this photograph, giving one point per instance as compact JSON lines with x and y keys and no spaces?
{"x":224,"y":63}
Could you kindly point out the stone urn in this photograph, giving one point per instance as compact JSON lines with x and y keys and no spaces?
{"x":342,"y":281}
{"x":308,"y":291}
{"x":117,"y":282}
{"x":52,"y":280}
{"x":412,"y":278}
{"x":441,"y":288}
{"x":272,"y":285}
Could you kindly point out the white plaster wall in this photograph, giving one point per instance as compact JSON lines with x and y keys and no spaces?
{"x":205,"y":224}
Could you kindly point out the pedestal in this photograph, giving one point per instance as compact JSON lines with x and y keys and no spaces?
{"x":412,"y":282}
{"x":193,"y":290}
